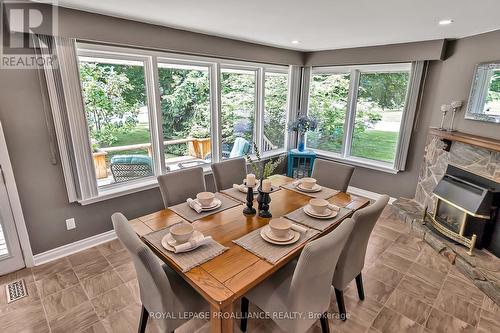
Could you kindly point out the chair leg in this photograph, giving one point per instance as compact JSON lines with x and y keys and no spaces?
{"x":339,"y":294}
{"x":359,"y":284}
{"x":244,"y":314}
{"x":325,"y":328}
{"x":144,"y":320}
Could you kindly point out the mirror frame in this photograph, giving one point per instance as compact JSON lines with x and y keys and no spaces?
{"x":478,"y":93}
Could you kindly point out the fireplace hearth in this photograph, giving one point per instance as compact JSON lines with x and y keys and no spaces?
{"x":466,"y":209}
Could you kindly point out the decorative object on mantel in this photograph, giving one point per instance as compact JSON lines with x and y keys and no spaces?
{"x":455,"y":106}
{"x":301,"y":125}
{"x":444,"y":109}
{"x":484,"y":98}
{"x":264,"y":170}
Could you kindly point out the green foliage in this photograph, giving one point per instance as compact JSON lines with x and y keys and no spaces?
{"x":275,"y":108}
{"x":109,"y":103}
{"x":385,"y":90}
{"x":494,"y":89}
{"x":259,"y":168}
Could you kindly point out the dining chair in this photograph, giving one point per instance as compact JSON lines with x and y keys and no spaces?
{"x":352,"y":258}
{"x":229,"y":172}
{"x":177,"y":186}
{"x":298,"y":289}
{"x":332,"y":174}
{"x":162,"y":290}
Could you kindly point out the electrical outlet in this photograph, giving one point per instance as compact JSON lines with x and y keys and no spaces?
{"x":70,"y":224}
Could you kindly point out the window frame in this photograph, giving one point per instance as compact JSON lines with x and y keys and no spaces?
{"x":415,"y":70}
{"x":152,"y":61}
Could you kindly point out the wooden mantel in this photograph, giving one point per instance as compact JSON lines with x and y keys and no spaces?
{"x":475,"y":140}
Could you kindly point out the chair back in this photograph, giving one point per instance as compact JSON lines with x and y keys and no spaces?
{"x":155,"y":290}
{"x":352,"y":259}
{"x":229,"y":172}
{"x":177,"y":186}
{"x":311,"y":281}
{"x":240,"y":147}
{"x":332,"y":174}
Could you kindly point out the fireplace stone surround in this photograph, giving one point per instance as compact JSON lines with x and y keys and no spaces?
{"x":483,"y":268}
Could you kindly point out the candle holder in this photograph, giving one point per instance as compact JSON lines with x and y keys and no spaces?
{"x":249,"y":210}
{"x":444,"y":109}
{"x":263,"y":200}
{"x":455,"y":106}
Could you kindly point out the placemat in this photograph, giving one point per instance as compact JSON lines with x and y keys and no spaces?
{"x":272,"y":253}
{"x":191,"y":215}
{"x":240,"y":196}
{"x":300,"y":217}
{"x":186,"y":260}
{"x":325,"y":192}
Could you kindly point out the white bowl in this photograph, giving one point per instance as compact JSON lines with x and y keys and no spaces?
{"x":205,"y":198}
{"x":318,"y":206}
{"x":280,"y":227}
{"x":308,"y":182}
{"x":182,"y":232}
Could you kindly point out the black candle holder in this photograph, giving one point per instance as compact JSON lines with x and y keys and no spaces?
{"x":263,"y":200}
{"x":249,"y":210}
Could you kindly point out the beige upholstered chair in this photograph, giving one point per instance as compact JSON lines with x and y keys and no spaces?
{"x":299,"y":287}
{"x":162,"y":289}
{"x":177,"y":186}
{"x":332,"y":174}
{"x":352,"y":259}
{"x":229,"y":172}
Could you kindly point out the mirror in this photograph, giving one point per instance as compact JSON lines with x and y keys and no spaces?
{"x":484,"y":99}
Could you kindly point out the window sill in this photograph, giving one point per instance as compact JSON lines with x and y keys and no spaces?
{"x":357,"y":161}
{"x":150,"y":183}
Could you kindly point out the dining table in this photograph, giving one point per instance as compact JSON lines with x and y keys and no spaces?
{"x":222,"y":280}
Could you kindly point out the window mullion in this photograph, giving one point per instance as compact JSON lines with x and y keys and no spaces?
{"x":351,"y":113}
{"x":216,"y":113}
{"x":259,"y":109}
{"x":155,"y":115}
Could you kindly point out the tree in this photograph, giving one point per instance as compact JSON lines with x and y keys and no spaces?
{"x":104,"y":91}
{"x":386,"y":90}
{"x":275,"y":108}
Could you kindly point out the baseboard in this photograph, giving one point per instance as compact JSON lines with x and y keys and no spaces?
{"x":66,"y":250}
{"x":367,"y":194}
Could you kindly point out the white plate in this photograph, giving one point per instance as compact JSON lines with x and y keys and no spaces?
{"x":168,"y":242}
{"x":243,"y":188}
{"x":215,"y":204}
{"x":267,"y":239}
{"x":316,"y":188}
{"x":308,"y":210}
{"x":269,"y":234}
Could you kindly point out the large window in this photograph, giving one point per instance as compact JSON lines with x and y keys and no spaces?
{"x":147,"y":113}
{"x":362,"y":112}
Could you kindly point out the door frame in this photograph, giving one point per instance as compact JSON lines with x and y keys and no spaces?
{"x":15,"y":202}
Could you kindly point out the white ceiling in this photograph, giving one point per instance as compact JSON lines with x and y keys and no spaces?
{"x":317,"y":24}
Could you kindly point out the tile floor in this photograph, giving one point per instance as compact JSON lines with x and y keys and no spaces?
{"x":409,"y":288}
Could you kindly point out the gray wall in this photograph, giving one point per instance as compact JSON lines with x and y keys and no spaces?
{"x":41,"y":185}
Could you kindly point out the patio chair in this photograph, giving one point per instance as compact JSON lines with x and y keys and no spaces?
{"x":130,"y":167}
{"x":240,"y":148}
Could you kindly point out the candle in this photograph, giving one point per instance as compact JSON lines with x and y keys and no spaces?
{"x":251,"y":179}
{"x":266,"y":185}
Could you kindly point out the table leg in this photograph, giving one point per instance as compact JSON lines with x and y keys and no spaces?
{"x":221,"y":320}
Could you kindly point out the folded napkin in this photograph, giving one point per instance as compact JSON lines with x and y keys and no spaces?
{"x":298,"y":228}
{"x":195,"y":205}
{"x":193,"y":243}
{"x":334,"y":207}
{"x":237,"y":186}
{"x":297,"y":182}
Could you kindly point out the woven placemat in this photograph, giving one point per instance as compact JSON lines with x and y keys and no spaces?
{"x":272,"y":253}
{"x":186,"y":260}
{"x":188,"y":213}
{"x":301,"y":217}
{"x":325,"y":192}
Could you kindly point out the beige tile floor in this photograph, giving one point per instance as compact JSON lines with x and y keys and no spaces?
{"x":409,"y":288}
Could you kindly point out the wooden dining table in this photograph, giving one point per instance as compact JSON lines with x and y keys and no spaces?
{"x":222,"y":280}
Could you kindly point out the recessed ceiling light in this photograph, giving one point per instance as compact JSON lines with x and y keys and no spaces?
{"x":295,"y":42}
{"x":445,"y":22}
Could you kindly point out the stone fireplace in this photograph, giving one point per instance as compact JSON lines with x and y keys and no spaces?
{"x":480,"y":156}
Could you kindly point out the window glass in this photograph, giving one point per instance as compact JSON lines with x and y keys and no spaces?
{"x":275,"y":110}
{"x":328,"y":102}
{"x":238,"y":105}
{"x":379,"y":111}
{"x":114,"y":93}
{"x":185,"y":110}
